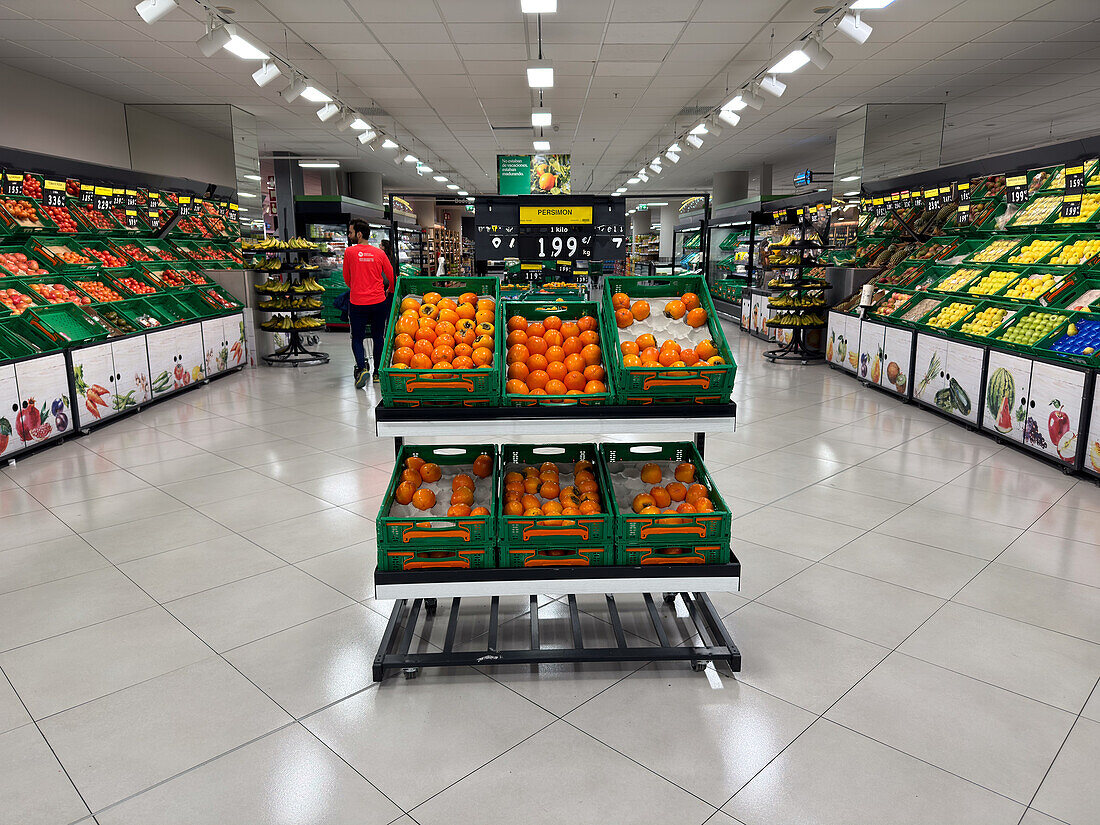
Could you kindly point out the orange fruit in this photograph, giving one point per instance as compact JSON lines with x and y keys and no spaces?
{"x":485,"y":328}
{"x":630,"y":347}
{"x":412,"y":476}
{"x":575,"y":381}
{"x":651,"y":474}
{"x":517,"y":322}
{"x":591,"y":354}
{"x":484,"y":317}
{"x":414,"y":463}
{"x":430,"y":472}
{"x":572,"y":344}
{"x":446,"y":303}
{"x":518,"y":370}
{"x":537,"y":345}
{"x":555,"y":354}
{"x":667,"y":357}
{"x":424,"y":334}
{"x":403,"y":339}
{"x":444,"y":340}
{"x":703,"y":505}
{"x":449,"y":316}
{"x":518,"y":352}
{"x":442,"y":365}
{"x":631,"y":361}
{"x":623,"y":318}
{"x":464,"y":349}
{"x":404,"y":493}
{"x":660,"y":496}
{"x":420,"y":361}
{"x":529,"y":501}
{"x":483,"y":465}
{"x":575,"y":362}
{"x":466,"y":311}
{"x":539,"y":391}
{"x":594,"y":387}
{"x":586,"y":323}
{"x":468,"y":298}
{"x":409,"y":303}
{"x":423,"y":499}
{"x":536,"y":329}
{"x":685,"y":472}
{"x":588,"y":508}
{"x":513,"y":508}
{"x":696,"y":317}
{"x":537,"y":362}
{"x":432,"y":297}
{"x":594,"y":372}
{"x":406,"y":325}
{"x":552,"y":322}
{"x":479,"y":511}
{"x":690,"y":299}
{"x":444,"y":328}
{"x":428,"y":323}
{"x":533,"y":512}
{"x":463,"y":362}
{"x":686,"y":508}
{"x":670,"y":344}
{"x":549,"y":489}
{"x":689,"y":357}
{"x":641,"y":501}
{"x":515,"y":387}
{"x":569,"y":329}
{"x":538,"y":379}
{"x":463,"y":495}
{"x":716,"y":360}
{"x":675,"y":309}
{"x":441,"y":354}
{"x":554,"y":338}
{"x":513,"y":477}
{"x":459,"y":510}
{"x":620,"y":300}
{"x":466,"y":336}
{"x":649,"y":511}
{"x":706,"y":349}
{"x":649,"y":355}
{"x":516,"y":336}
{"x":646,"y":340}
{"x":677,"y":490}
{"x":482,"y":356}
{"x":640,"y":310}
{"x":428,"y":311}
{"x":555,"y":387}
{"x":552,"y":508}
{"x":402,"y":355}
{"x":486,"y":305}
{"x":557,"y":372}
{"x":589,"y":336}
{"x":695,"y":492}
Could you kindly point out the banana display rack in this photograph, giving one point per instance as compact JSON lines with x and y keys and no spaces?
{"x":639,"y":628}
{"x":291,"y":298}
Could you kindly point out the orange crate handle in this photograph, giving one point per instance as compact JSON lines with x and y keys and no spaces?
{"x":556,"y":562}
{"x":451,"y":533}
{"x":701,"y":381}
{"x":545,"y":532}
{"x":693,"y":529}
{"x":418,"y":565}
{"x":417,"y":384}
{"x":672,"y":560}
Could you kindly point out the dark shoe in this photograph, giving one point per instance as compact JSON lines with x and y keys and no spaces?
{"x":377,"y":378}
{"x":361,"y":379}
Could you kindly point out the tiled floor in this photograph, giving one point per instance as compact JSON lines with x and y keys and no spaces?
{"x":187,"y":628}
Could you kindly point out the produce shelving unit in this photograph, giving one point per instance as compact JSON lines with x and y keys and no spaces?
{"x":295,"y":353}
{"x":416,"y":592}
{"x":796,"y":290}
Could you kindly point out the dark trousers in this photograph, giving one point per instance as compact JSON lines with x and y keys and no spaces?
{"x":360,"y":318}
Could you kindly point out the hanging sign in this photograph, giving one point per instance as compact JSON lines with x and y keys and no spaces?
{"x":154,"y":218}
{"x":87,"y":193}
{"x":964,"y":191}
{"x":962,"y":215}
{"x":103,"y":197}
{"x":1016,"y":189}
{"x":552,"y":215}
{"x":131,"y":198}
{"x":1075,"y":179}
{"x":1071,"y":205}
{"x":13,"y":184}
{"x":54,"y":192}
{"x":118,"y":197}
{"x":131,"y":219}
{"x":185,"y":205}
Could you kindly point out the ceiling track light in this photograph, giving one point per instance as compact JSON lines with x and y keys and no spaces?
{"x":643,"y":177}
{"x":327,"y":112}
{"x":633,"y":181}
{"x":863,"y":5}
{"x":153,"y":10}
{"x":346,"y":121}
{"x":454,"y":187}
{"x":218,"y":34}
{"x":656,"y":167}
{"x":850,"y":25}
{"x":773,"y":85}
{"x":540,"y":74}
{"x":753,"y":98}
{"x":265,"y":74}
{"x":695,"y":141}
{"x":389,"y":144}
{"x":713,"y":127}
{"x":295,"y":89}
{"x":729,"y":116}
{"x":367,"y":136}
{"x":818,"y":54}
{"x":672,"y":156}
{"x":701,"y":129}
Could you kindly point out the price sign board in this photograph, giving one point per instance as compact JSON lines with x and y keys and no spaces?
{"x":1071,"y":205}
{"x":904,"y":200}
{"x":1016,"y":189}
{"x":932,"y":199}
{"x":1075,"y":179}
{"x":103,"y":198}
{"x":13,"y":184}
{"x":947,"y":195}
{"x":87,"y":193}
{"x":550,"y":229}
{"x":54,"y":192}
{"x":962,"y":215}
{"x":131,"y":219}
{"x":118,"y":197}
{"x":553,"y":242}
{"x":964,"y":191}
{"x":131,"y":198}
{"x":185,"y":205}
{"x":153,"y":217}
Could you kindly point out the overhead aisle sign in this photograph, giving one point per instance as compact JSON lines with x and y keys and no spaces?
{"x":538,"y":228}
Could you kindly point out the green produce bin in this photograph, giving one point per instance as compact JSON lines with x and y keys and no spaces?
{"x":168,"y":307}
{"x":698,"y":384}
{"x":428,"y":387}
{"x":417,"y":542}
{"x":13,"y":346}
{"x":574,"y":540}
{"x":68,"y":322}
{"x":196,"y":304}
{"x":9,"y":225}
{"x":679,"y":538}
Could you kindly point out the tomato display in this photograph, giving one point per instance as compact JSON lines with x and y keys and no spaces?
{"x":171,"y":279}
{"x":31,"y":187}
{"x":96,"y":218}
{"x":17,"y":263}
{"x":15,"y":300}
{"x":99,"y":291}
{"x":63,"y":218}
{"x":207,"y":253}
{"x":22,"y":212}
{"x":136,"y":286}
{"x":135,"y":252}
{"x":60,"y":294}
{"x":72,"y":187}
{"x":105,"y":257}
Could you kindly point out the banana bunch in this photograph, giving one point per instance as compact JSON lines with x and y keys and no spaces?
{"x":273,"y":286}
{"x":307,"y":285}
{"x":306,"y":267}
{"x":789,"y":319}
{"x":266,"y":245}
{"x":285,"y":304}
{"x":300,"y":243}
{"x":265,"y":264}
{"x":280,"y":323}
{"x":309,"y":323}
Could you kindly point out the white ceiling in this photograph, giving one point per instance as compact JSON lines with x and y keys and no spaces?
{"x":1013,"y":73}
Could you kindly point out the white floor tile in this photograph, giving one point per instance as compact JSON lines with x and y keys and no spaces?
{"x":33,"y":786}
{"x":147,"y":536}
{"x":853,"y":509}
{"x":300,"y":537}
{"x":12,"y":712}
{"x":794,"y":533}
{"x":907,"y":563}
{"x":39,"y":563}
{"x":949,"y":531}
{"x":1070,"y":791}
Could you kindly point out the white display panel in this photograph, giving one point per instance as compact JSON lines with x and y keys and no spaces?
{"x":1092,"y":448}
{"x":872,"y":339}
{"x":216,"y":347}
{"x":176,"y":358}
{"x":964,"y":368}
{"x":832,"y":342}
{"x":43,"y":383}
{"x":10,"y":442}
{"x":94,"y":377}
{"x":897,"y":359}
{"x":929,"y":368}
{"x":852,"y":326}
{"x":1055,"y":407}
{"x":236,"y":333}
{"x":1004,"y":412}
{"x":131,"y":371}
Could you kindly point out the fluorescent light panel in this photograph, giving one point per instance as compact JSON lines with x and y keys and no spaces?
{"x":315,"y":95}
{"x":791,"y":63}
{"x":633,"y":181}
{"x":860,"y":5}
{"x":243,"y":49}
{"x":542,"y":145}
{"x":701,"y":129}
{"x":360,"y":124}
{"x":849,"y":179}
{"x":540,"y":74}
{"x":389,"y":144}
{"x":319,"y":164}
{"x":440,"y":179}
{"x":463,"y":192}
{"x":452,"y":186}
{"x":412,"y":159}
{"x":541,"y":117}
{"x":538,"y":6}
{"x":251,"y":177}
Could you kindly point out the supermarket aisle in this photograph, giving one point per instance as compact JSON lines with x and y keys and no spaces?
{"x":186,"y":632}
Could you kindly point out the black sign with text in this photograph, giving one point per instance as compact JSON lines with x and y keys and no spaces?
{"x":1071,"y":206}
{"x":103,"y":198}
{"x":131,"y":219}
{"x":1075,"y":179}
{"x":962,"y":215}
{"x":498,"y":233}
{"x":13,"y":184}
{"x":154,"y":218}
{"x":964,"y":192}
{"x":1016,"y":189}
{"x":185,"y":206}
{"x":53,"y":192}
{"x":87,"y":193}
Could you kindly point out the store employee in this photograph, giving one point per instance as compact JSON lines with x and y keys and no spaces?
{"x":369,"y":275}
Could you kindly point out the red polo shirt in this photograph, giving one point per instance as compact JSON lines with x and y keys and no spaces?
{"x":368,"y":274}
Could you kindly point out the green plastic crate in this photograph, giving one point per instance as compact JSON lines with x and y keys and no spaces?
{"x":703,"y":538}
{"x":567,"y":311}
{"x":168,"y":307}
{"x":532,"y":541}
{"x":196,"y":304}
{"x":9,"y":225}
{"x":428,"y":387}
{"x":50,"y":249}
{"x":13,"y":346}
{"x":69,"y":322}
{"x":698,"y":384}
{"x":31,"y":330}
{"x":450,"y":541}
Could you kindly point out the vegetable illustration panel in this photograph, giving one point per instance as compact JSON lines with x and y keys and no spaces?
{"x":45,"y":411}
{"x":929,"y":371}
{"x":176,"y":358}
{"x":1054,"y":410}
{"x":897,"y":357}
{"x":1092,"y":451}
{"x":834,"y":335}
{"x":872,"y":338}
{"x":10,"y":442}
{"x":964,"y":381}
{"x":94,"y":380}
{"x":237,"y":336}
{"x":850,"y":358}
{"x":1007,"y":383}
{"x":132,"y":385}
{"x":215,"y":341}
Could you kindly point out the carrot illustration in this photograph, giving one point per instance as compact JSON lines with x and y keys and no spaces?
{"x":92,"y":408}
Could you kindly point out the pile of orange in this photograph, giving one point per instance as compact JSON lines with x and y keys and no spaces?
{"x":554,"y":357}
{"x":537,"y":491}
{"x":419,"y":473}
{"x":443,"y":333}
{"x":691,"y":496}
{"x":644,"y":352}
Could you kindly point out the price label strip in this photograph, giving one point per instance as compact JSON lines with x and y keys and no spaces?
{"x":964,"y":192}
{"x":13,"y":184}
{"x":87,"y":193}
{"x":54,"y":192}
{"x":103,"y":199}
{"x":154,"y":218}
{"x":1071,"y":205}
{"x":131,"y":198}
{"x":131,"y":219}
{"x":1016,"y":189}
{"x":185,"y":205}
{"x":962,"y":216}
{"x":1075,"y":179}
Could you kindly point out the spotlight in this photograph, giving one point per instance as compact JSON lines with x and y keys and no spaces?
{"x":672,"y":156}
{"x":695,"y":141}
{"x":753,"y":99}
{"x":714,"y":128}
{"x":153,"y":10}
{"x":852,"y":26}
{"x":346,"y":121}
{"x":359,"y":124}
{"x":730,"y":117}
{"x":643,"y":177}
{"x":632,"y":181}
{"x":367,"y":136}
{"x":773,"y":85}
{"x":701,"y":129}
{"x":327,"y":112}
{"x":294,"y":90}
{"x":216,"y":38}
{"x":818,"y":54}
{"x":656,"y":167}
{"x":265,"y":74}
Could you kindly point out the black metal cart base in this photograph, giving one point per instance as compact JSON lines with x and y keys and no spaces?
{"x":795,"y":350}
{"x":395,"y":651}
{"x":295,"y":354}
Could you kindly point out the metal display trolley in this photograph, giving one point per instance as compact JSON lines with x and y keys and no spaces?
{"x":415,"y":593}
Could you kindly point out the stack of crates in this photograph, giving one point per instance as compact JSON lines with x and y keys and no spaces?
{"x":334,"y":285}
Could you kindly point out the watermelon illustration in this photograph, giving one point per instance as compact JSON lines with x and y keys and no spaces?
{"x":1004,"y":418}
{"x":1001,"y":386}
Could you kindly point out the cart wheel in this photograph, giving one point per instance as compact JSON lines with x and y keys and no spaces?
{"x":429,"y":606}
{"x":411,"y":672}
{"x":698,"y":666}
{"x":669,"y":597}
